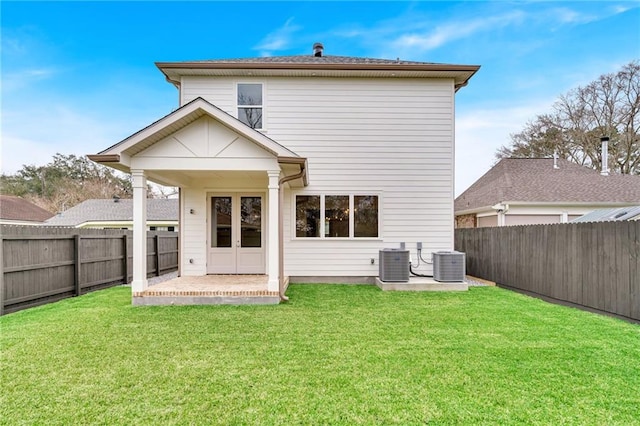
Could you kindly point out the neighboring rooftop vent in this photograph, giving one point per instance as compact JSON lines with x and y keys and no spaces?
{"x":317,"y":49}
{"x":605,"y":156}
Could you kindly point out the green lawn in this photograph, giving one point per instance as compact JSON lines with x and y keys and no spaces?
{"x":332,"y":355}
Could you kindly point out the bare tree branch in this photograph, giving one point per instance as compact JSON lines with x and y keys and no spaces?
{"x":608,"y":106}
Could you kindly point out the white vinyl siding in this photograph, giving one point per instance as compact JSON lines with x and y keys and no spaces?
{"x":392,"y":137}
{"x":193,"y":239}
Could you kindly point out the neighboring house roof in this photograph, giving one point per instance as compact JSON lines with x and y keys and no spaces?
{"x":536,"y":181}
{"x":108,"y":210}
{"x":606,"y":215}
{"x":18,"y":209}
{"x":330,"y":64}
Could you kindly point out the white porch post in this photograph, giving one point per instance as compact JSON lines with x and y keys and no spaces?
{"x":139,"y":283}
{"x":272,"y":245}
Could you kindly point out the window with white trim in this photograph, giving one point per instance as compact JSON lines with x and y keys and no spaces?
{"x":250,"y":105}
{"x":337,"y":216}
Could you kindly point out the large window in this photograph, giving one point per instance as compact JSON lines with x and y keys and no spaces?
{"x":337,"y":216}
{"x":250,"y":104}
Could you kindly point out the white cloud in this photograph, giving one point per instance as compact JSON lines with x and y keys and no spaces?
{"x":279,"y":39}
{"x":621,"y":8}
{"x":564,"y":15}
{"x":26,"y":78}
{"x":454,"y":30}
{"x":13,"y":45}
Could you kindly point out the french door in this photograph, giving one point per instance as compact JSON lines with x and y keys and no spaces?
{"x":236,"y":241}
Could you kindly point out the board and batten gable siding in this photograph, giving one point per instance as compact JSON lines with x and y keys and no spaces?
{"x":386,"y":137}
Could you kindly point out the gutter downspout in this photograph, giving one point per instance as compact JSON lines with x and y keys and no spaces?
{"x":281,"y":226}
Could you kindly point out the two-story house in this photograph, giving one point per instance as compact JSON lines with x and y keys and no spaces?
{"x":302,"y":167}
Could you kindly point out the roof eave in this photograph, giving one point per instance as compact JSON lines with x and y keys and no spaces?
{"x":489,"y":208}
{"x":316,"y":66}
{"x":110,"y":160}
{"x":465,"y":71}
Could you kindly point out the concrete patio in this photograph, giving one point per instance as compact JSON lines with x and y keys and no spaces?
{"x":209,"y":290}
{"x":421,"y":284}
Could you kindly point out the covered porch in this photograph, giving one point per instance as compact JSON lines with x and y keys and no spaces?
{"x":231,"y":180}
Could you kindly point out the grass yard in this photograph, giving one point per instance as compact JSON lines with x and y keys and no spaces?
{"x":332,"y":355}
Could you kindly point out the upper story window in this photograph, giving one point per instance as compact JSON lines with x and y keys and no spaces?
{"x":250,"y":104}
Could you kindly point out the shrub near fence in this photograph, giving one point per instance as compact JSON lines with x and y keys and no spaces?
{"x":44,"y":264}
{"x":596,"y":265}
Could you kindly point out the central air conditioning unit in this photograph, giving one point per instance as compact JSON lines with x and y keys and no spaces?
{"x":394,"y":265}
{"x":448,"y":266}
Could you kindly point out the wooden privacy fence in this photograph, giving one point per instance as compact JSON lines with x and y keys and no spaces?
{"x":41,"y":265}
{"x":596,"y":265}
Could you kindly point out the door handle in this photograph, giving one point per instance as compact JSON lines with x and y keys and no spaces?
{"x":238,"y":243}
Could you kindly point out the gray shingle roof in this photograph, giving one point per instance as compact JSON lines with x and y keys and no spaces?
{"x":534,"y":180}
{"x":310,"y":59}
{"x":17,"y":208}
{"x":108,"y":210}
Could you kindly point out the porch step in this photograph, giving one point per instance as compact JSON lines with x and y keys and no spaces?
{"x":154,"y":298}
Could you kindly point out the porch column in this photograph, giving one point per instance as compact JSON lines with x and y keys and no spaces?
{"x":272,"y":244}
{"x":139,"y":283}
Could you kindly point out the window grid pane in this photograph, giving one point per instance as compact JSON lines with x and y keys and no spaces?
{"x":365,"y":212}
{"x":336,"y":216}
{"x":307,"y":216}
{"x":221,"y":229}
{"x":250,"y":222}
{"x":252,"y":117}
{"x":249,"y":94}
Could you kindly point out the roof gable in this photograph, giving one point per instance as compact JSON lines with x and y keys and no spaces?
{"x":535,"y":180}
{"x":205,"y":137}
{"x":178,"y":120}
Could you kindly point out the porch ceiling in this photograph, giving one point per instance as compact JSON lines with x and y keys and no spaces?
{"x":191,"y":178}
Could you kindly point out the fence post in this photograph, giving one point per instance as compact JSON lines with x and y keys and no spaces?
{"x":156,"y":243}
{"x":2,"y":285}
{"x":76,"y":259}
{"x":125,"y":259}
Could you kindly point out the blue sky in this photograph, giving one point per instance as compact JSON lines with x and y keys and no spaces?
{"x":78,"y":77}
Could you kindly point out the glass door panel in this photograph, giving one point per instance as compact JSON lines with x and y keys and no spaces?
{"x":221,"y":212}
{"x":250,"y":221}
